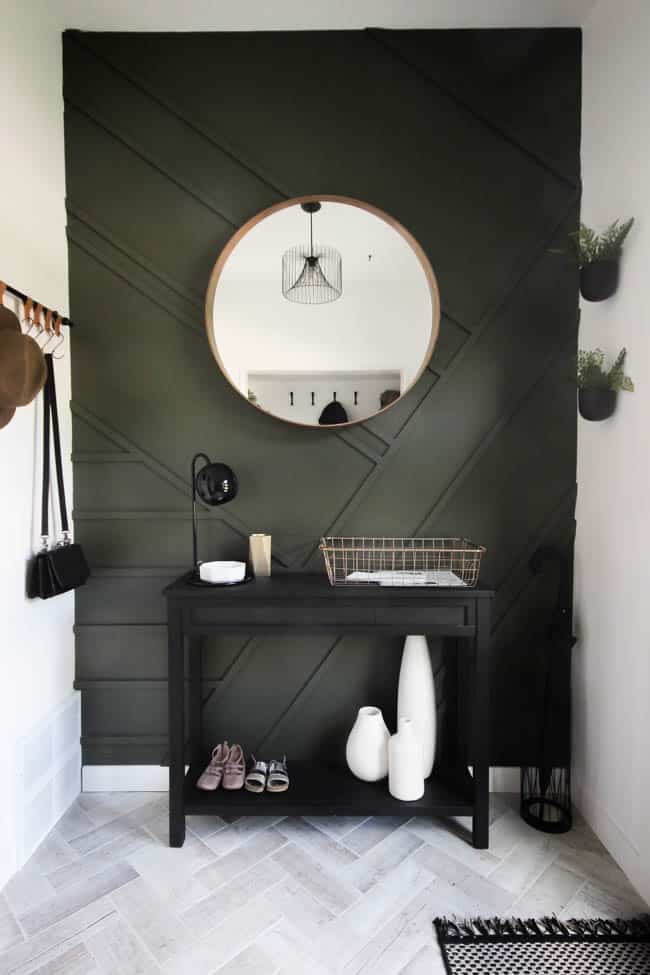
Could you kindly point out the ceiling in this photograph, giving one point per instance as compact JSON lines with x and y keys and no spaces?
{"x":191,"y":15}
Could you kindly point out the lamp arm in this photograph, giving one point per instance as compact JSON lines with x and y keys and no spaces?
{"x":193,"y":478}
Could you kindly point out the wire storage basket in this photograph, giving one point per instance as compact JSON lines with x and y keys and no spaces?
{"x":401,"y":561}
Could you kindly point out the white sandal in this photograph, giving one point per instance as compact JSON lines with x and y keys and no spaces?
{"x":256,"y":779}
{"x":278,"y":778}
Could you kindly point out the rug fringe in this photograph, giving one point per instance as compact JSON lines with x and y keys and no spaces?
{"x":462,"y":929}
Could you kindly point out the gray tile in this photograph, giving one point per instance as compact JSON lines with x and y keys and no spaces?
{"x":550,"y":893}
{"x":75,"y":822}
{"x":336,"y":826}
{"x":247,"y":855}
{"x":382,"y":859}
{"x":250,"y":961}
{"x":153,"y":923}
{"x":75,"y":897}
{"x":226,"y":941}
{"x":203,"y":826}
{"x":170,"y":874}
{"x":327,"y":851}
{"x":209,"y":912}
{"x":593,"y":900}
{"x":27,"y":888}
{"x":371,"y":832}
{"x":118,"y":952}
{"x":334,"y":893}
{"x":396,"y":942}
{"x":223,"y":841}
{"x":300,"y":907}
{"x":195,"y":852}
{"x":291,"y":952}
{"x":10,"y":933}
{"x":347,"y":935}
{"x":54,"y":852}
{"x":40,"y":945}
{"x":75,"y":960}
{"x":427,"y":961}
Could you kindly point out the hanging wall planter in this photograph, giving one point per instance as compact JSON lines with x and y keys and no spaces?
{"x":596,"y":404}
{"x":599,"y":257}
{"x":598,"y":388}
{"x":599,"y":280}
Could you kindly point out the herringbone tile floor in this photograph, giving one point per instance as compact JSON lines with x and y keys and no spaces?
{"x":104,"y":894}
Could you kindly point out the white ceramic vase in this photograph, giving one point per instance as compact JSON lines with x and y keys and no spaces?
{"x":416,"y":697}
{"x":366,"y":751}
{"x":405,"y":773}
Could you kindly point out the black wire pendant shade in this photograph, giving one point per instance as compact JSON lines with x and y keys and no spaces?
{"x":311,"y":274}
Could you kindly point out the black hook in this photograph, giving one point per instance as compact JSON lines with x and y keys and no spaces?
{"x":312,"y":399}
{"x":291,"y":397}
{"x":335,"y":397}
{"x":356,"y":399}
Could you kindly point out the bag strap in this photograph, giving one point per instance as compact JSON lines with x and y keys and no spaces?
{"x":57,"y":447}
{"x":46,"y":461}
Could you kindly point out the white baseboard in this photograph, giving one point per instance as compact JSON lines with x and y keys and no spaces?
{"x":615,"y":840}
{"x":124,"y":778}
{"x":47,"y":768}
{"x":155,"y":778}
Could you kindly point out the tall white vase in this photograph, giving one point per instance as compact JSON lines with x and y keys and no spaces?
{"x":405,"y":772}
{"x":366,"y":751}
{"x":416,"y":697}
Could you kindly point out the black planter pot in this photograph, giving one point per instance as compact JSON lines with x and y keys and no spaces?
{"x":599,"y":280}
{"x":596,"y":404}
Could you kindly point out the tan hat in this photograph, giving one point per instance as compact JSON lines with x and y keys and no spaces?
{"x":22,"y":369}
{"x":8,"y":320}
{"x":6,"y":414}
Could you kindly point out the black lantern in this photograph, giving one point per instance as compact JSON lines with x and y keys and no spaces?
{"x":214,"y":484}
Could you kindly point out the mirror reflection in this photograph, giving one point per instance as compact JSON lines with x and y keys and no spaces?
{"x":322,"y":311}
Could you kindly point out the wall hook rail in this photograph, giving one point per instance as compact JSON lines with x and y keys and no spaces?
{"x":37,"y":304}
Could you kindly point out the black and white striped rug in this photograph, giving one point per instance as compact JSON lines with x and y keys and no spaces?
{"x":547,"y":946}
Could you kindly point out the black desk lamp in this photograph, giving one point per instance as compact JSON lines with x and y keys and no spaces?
{"x":214,"y":484}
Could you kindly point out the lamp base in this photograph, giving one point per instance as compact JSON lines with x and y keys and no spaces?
{"x":192,"y":578}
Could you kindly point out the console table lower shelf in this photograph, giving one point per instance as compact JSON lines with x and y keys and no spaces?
{"x":328,"y":790}
{"x":289,"y":604}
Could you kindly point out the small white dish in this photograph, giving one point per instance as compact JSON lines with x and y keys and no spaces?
{"x":222,"y":571}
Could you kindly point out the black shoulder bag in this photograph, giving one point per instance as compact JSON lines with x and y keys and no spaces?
{"x":63,"y":567}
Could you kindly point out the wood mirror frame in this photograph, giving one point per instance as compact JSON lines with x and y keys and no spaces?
{"x":323,"y":198}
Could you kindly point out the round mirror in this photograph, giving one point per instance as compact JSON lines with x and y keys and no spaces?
{"x":322,"y":311}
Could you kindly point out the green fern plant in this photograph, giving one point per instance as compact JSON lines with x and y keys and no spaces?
{"x":593,"y":375}
{"x":590,"y":246}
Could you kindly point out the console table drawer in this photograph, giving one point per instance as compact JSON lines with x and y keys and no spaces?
{"x":412,"y":615}
{"x":296,"y":615}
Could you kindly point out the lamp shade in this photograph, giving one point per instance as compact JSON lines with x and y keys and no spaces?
{"x":216,"y":484}
{"x":311,"y":275}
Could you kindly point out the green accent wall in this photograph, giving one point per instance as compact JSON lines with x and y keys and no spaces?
{"x":471,"y":140}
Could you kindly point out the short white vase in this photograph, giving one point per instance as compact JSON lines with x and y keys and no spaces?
{"x":405,"y":773}
{"x":416,"y":697}
{"x":366,"y":751}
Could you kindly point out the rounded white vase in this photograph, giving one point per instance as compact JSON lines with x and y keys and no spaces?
{"x":416,"y":697}
{"x":366,"y":751}
{"x":405,"y":772}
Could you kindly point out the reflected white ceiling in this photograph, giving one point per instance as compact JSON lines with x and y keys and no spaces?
{"x":188,"y":15}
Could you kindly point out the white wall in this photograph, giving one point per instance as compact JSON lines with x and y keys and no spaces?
{"x":612,"y":659}
{"x":36,"y":642}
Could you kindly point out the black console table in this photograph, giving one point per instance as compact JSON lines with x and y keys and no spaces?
{"x":293,"y":602}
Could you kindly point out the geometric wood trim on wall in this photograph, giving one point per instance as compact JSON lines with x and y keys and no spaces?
{"x":173,"y":141}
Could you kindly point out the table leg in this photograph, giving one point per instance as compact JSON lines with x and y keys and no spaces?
{"x":480,"y":727}
{"x":176,"y":724}
{"x":195,"y":698}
